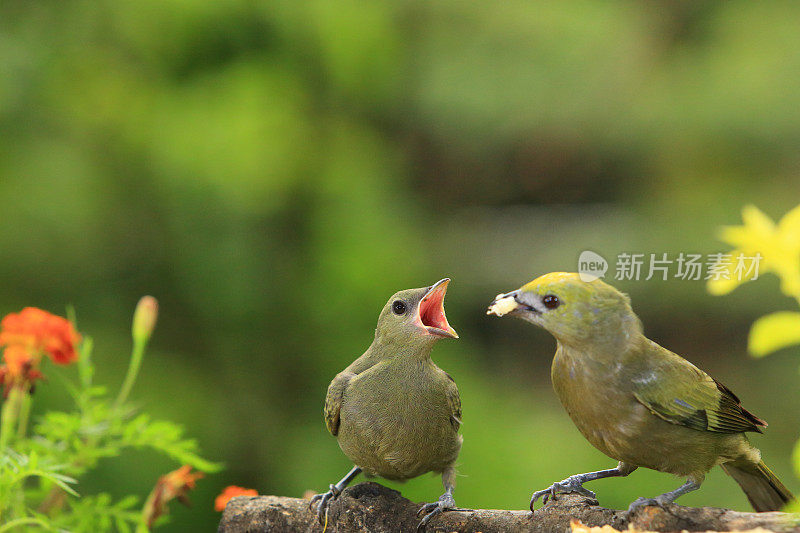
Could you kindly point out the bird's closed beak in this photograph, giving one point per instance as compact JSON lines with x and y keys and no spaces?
{"x":431,"y":311}
{"x":504,"y":304}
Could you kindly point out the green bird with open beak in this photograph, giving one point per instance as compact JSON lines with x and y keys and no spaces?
{"x":635,"y":401}
{"x":394,"y":412}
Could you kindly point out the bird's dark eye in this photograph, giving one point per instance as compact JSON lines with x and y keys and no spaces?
{"x":398,"y":307}
{"x":551,"y":301}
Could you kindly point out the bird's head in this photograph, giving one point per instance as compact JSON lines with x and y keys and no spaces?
{"x":573,"y":310}
{"x":415,"y":317}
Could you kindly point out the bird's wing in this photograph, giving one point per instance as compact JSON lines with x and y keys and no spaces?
{"x":679,"y":392}
{"x":454,"y":399}
{"x":333,"y":401}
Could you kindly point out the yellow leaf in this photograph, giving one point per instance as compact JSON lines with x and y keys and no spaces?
{"x":773,"y":332}
{"x":720,"y":287}
{"x":756,"y":219}
{"x":739,"y":236}
{"x":727,"y":283}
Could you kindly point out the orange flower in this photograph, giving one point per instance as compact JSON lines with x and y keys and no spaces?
{"x":40,"y":332}
{"x":174,"y":485}
{"x":19,"y":369}
{"x":231,"y":492}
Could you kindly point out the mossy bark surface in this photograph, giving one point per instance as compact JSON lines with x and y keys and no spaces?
{"x":372,"y":507}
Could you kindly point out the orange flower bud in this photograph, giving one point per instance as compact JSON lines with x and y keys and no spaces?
{"x":19,"y":369}
{"x":231,"y":492}
{"x":174,"y":485}
{"x":144,"y":318}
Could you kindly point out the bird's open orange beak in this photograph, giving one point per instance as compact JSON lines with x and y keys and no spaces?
{"x":431,"y":311}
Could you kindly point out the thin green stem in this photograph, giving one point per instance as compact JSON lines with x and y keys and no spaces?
{"x":24,"y":414}
{"x":137,"y":353}
{"x":9,"y":415}
{"x":32,"y":521}
{"x":146,"y":517}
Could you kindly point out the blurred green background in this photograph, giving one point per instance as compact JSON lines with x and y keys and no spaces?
{"x":273,"y":171}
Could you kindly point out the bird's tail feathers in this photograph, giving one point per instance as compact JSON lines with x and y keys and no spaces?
{"x":763,"y":488}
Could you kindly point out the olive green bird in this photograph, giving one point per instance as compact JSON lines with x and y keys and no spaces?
{"x":635,"y":401}
{"x":394,"y":412}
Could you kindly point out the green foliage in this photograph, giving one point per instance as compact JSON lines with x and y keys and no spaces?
{"x":40,"y":472}
{"x":100,"y":513}
{"x":17,"y":469}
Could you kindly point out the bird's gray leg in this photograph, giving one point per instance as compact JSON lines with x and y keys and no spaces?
{"x":332,"y":494}
{"x":445,"y":503}
{"x":668,"y":497}
{"x":575,"y":483}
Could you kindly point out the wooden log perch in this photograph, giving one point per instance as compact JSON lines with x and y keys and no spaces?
{"x":377,"y":509}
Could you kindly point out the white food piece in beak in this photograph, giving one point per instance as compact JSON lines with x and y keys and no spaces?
{"x":503,"y":306}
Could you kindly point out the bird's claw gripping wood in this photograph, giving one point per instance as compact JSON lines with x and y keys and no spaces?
{"x":324,"y":500}
{"x":332,"y":494}
{"x":430,"y":510}
{"x":642,"y":502}
{"x":575,"y":483}
{"x":664,"y":499}
{"x":571,"y":484}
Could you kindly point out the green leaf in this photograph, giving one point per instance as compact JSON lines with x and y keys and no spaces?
{"x":16,"y":469}
{"x":773,"y":332}
{"x":166,"y":437}
{"x":58,"y":479}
